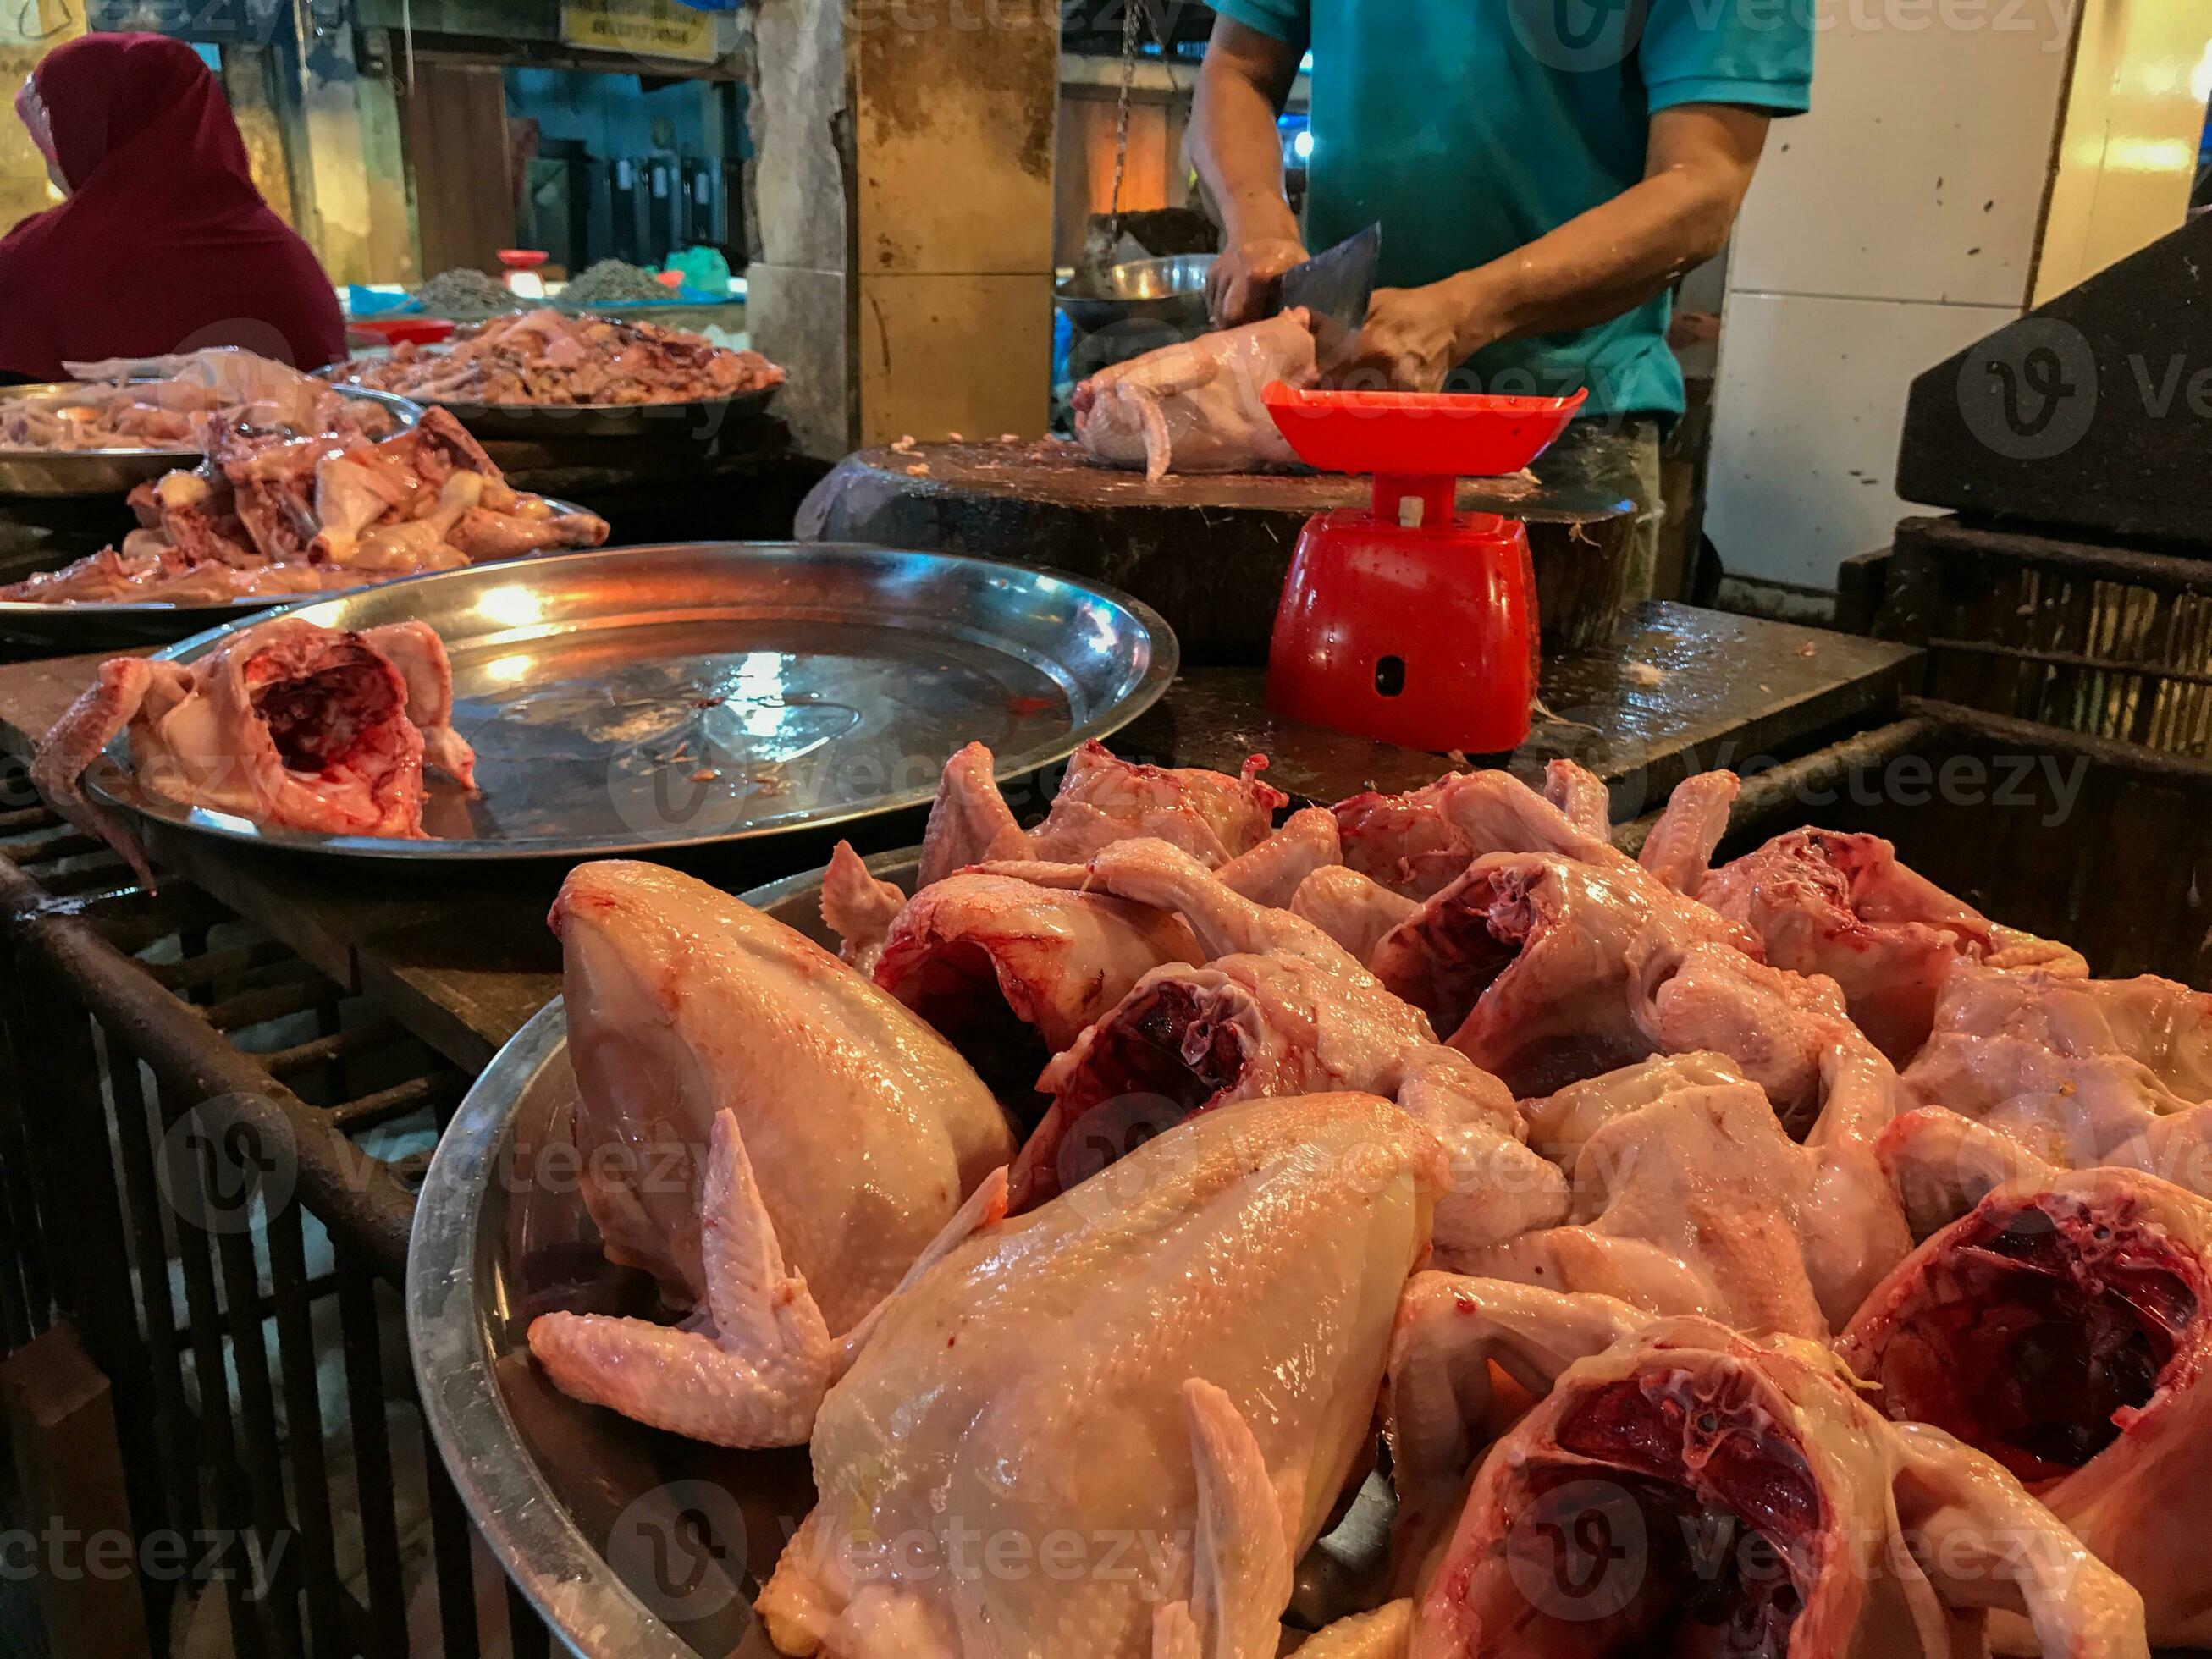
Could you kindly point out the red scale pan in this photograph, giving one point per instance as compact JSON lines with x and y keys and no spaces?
{"x":1412,"y":623}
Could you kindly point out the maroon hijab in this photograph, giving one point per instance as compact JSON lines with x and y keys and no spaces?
{"x":164,"y":245}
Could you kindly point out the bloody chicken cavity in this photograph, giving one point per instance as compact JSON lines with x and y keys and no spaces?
{"x":2038,"y":1328}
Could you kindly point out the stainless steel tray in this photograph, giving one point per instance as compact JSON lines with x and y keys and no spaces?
{"x":637,"y":698}
{"x":69,"y":627}
{"x":633,"y":1544}
{"x":698,"y":420}
{"x":47,"y":472}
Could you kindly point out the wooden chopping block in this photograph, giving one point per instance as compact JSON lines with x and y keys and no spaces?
{"x":1207,"y":551}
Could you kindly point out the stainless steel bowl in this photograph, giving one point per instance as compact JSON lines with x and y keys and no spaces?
{"x":1170,"y":290}
{"x":632,"y":1543}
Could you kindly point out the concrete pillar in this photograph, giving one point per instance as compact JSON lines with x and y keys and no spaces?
{"x":341,"y":138}
{"x":901,"y":212}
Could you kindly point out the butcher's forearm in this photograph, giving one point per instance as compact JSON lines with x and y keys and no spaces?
{"x":1597,"y":265}
{"x":1235,"y":147}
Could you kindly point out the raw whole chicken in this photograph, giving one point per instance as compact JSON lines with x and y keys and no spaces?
{"x":293,"y":726}
{"x":2063,"y":1329}
{"x":1009,"y":972}
{"x":845,"y":1136}
{"x":1194,"y":406}
{"x":1176,"y":1369}
{"x":2067,"y":1071}
{"x":1688,"y":1198}
{"x":1278,"y":1009}
{"x":1684,"y":1489}
{"x":1825,"y":902}
{"x":1102,"y":799}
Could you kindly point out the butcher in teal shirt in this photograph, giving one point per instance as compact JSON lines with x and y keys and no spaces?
{"x":1544,"y":171}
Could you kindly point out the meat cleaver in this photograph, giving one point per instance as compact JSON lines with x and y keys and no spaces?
{"x":1334,"y":287}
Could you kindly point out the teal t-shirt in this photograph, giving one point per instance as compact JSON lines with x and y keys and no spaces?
{"x":1471,"y":127}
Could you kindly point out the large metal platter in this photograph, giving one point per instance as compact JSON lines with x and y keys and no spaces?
{"x":67,"y":628}
{"x":48,"y":472}
{"x":698,"y":421}
{"x":632,"y":1543}
{"x":655,"y":697}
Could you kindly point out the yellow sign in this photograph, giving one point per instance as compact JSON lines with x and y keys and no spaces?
{"x":644,"y":28}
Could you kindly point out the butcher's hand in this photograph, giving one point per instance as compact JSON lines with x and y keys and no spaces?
{"x":1241,"y":287}
{"x":1412,"y":338}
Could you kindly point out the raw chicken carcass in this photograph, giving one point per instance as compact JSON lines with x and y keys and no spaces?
{"x":1682,"y":1488}
{"x":1194,"y":406}
{"x":2073,"y":1073}
{"x":1825,"y":902}
{"x":853,"y":1134}
{"x":1181,"y":1373}
{"x":1008,"y":971}
{"x":2063,"y":1329}
{"x":1688,"y":1198}
{"x":1277,"y":1010}
{"x":546,"y":357}
{"x":1525,"y":962}
{"x":291,"y":725}
{"x":1102,"y":799}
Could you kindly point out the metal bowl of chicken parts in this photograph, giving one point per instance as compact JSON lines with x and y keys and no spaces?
{"x":633,"y":1544}
{"x":631,"y":699}
{"x":117,"y":471}
{"x":65,"y":627}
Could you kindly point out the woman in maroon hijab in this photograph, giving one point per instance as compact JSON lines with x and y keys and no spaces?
{"x":164,"y":245}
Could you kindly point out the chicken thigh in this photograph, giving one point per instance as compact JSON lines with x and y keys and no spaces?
{"x":847,"y":1135}
{"x":1684,"y":1489}
{"x":2062,"y":1328}
{"x":1146,"y":1394}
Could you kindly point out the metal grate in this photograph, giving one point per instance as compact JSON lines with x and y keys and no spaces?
{"x":211,"y":1178}
{"x":2109,"y":642}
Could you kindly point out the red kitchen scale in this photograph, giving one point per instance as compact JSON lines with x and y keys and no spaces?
{"x":1411,"y":622}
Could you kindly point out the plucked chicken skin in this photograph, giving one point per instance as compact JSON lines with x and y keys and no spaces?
{"x":292,"y":725}
{"x":1687,"y":1197}
{"x":1683,"y":1489}
{"x":736,"y":1082}
{"x":2062,"y":1328}
{"x":1148,"y":1392}
{"x":2062,"y":1070}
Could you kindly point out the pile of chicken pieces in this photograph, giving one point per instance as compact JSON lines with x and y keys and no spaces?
{"x":1779,"y":1258}
{"x":552,"y":358}
{"x":268,"y":513}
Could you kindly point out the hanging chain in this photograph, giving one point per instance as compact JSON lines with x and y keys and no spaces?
{"x":1129,"y":9}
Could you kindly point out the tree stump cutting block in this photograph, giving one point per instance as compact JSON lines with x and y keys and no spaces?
{"x":1207,"y":551}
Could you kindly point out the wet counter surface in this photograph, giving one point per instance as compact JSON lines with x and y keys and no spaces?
{"x":463,"y":958}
